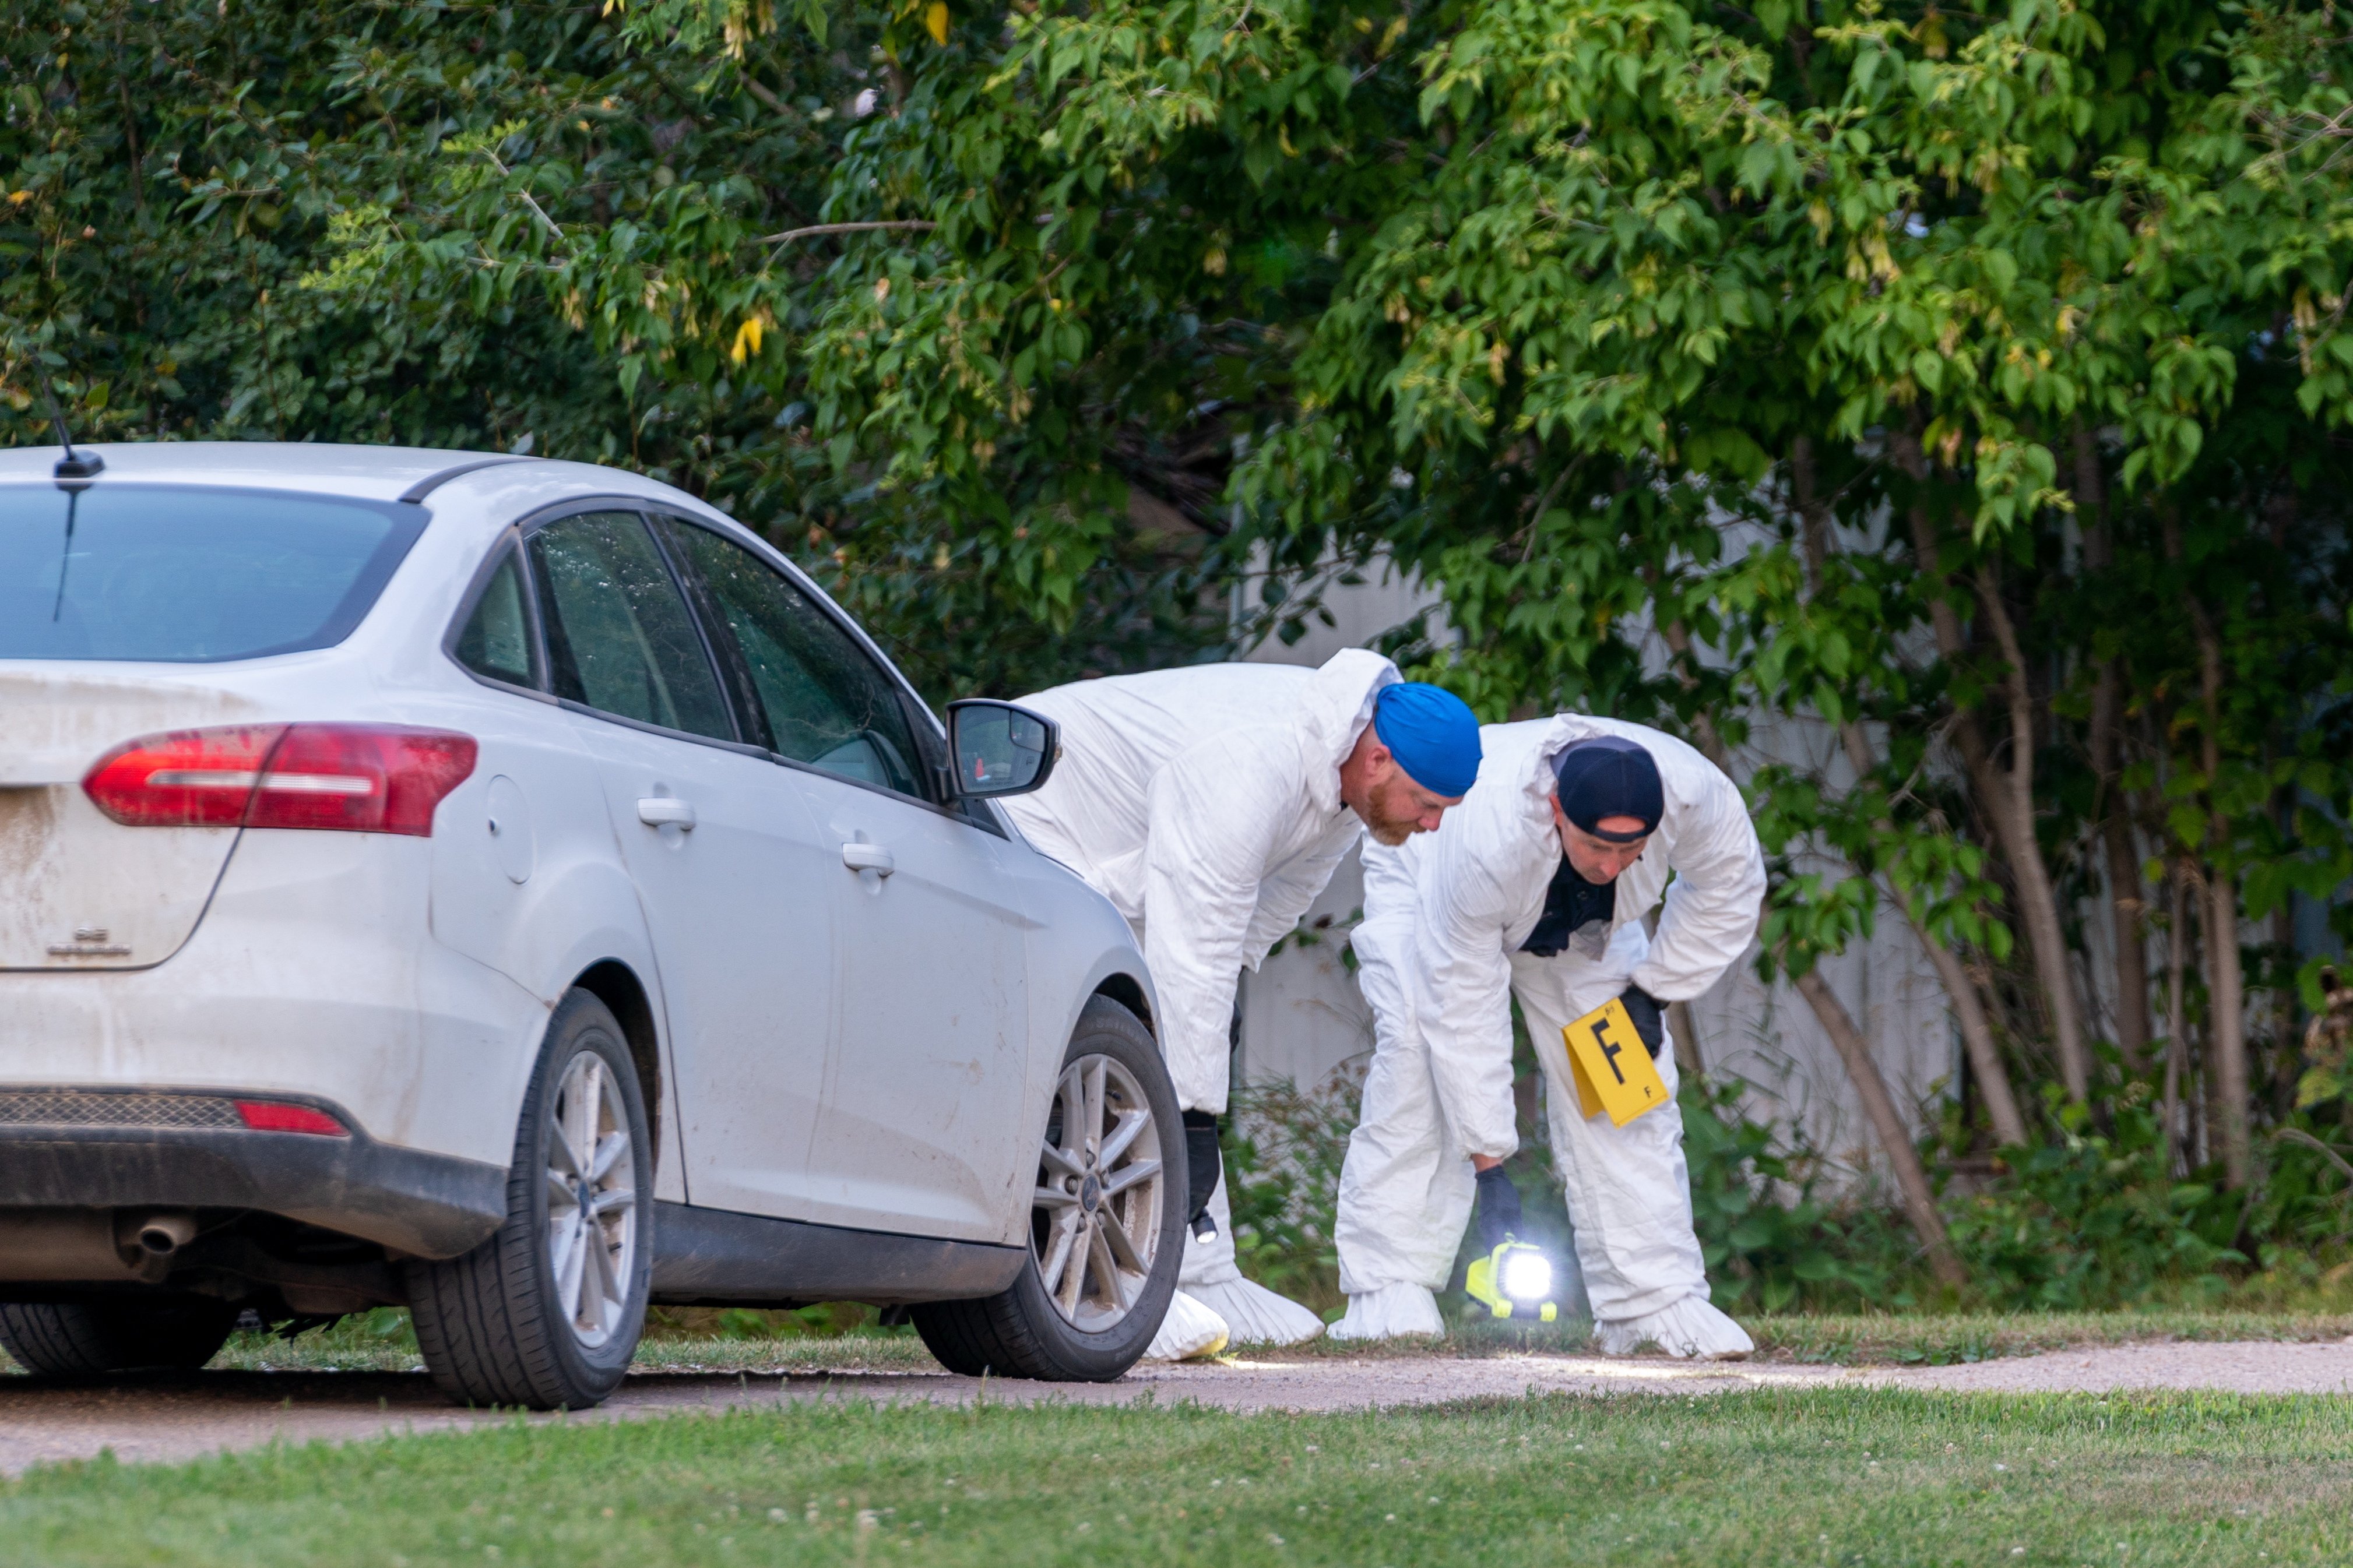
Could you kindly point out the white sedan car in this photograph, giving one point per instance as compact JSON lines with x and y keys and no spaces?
{"x":508,"y":889}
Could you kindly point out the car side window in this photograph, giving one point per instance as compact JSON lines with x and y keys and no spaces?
{"x":619,"y":637}
{"x":496,"y":640}
{"x":826,"y":701}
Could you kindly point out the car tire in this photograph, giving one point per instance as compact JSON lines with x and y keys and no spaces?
{"x":79,"y":1339}
{"x":1109,"y":1203}
{"x":546,"y":1313}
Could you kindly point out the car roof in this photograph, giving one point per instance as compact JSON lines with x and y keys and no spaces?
{"x":371,"y":473}
{"x":386,"y":474}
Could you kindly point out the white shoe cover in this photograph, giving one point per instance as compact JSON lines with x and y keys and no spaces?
{"x":1189,"y":1330}
{"x":1688,"y":1330}
{"x":1211,"y":1276}
{"x":1393,"y":1311}
{"x":1255,"y":1315}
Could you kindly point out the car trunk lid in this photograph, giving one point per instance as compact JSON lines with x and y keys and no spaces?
{"x":79,"y":891}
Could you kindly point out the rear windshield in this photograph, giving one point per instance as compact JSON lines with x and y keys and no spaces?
{"x":188,"y":575}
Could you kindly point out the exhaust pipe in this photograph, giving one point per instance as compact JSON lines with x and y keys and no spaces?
{"x":164,"y":1234}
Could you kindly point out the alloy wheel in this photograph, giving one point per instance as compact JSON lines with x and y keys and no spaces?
{"x":592,"y":1201}
{"x":1095,"y":1216}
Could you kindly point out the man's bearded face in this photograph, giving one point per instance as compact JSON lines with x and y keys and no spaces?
{"x":1399,"y":808}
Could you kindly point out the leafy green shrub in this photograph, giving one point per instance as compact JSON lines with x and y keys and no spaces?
{"x":2087,"y":1220}
{"x":1772,"y":1241}
{"x":1283,"y":1152}
{"x":2092,"y":1219}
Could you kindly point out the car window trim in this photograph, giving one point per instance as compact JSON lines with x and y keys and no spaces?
{"x":698,"y":601}
{"x":689,"y":585}
{"x":531,"y":526}
{"x":743,"y":693}
{"x":509,"y":538}
{"x":735,"y":532}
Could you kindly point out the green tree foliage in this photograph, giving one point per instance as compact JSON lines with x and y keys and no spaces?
{"x":1936,"y":416}
{"x":503,"y":227}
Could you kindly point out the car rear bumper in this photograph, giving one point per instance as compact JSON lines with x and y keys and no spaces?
{"x":429,"y":1205}
{"x":312,"y":976}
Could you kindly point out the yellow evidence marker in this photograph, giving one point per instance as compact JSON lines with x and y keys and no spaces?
{"x":1612,"y":1068}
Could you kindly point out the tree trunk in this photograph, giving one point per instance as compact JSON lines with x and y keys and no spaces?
{"x":2038,"y":899}
{"x":2226,"y":1025}
{"x":1969,"y":1008}
{"x":1910,"y":1179}
{"x":1977,"y":1035}
{"x":2176,"y":1033}
{"x":1977,"y":1041}
{"x":2008,"y":799}
{"x":2127,"y":898}
{"x":1689,"y":1059}
{"x":2226,"y":1007}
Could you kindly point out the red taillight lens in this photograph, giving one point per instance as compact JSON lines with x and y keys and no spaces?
{"x":357,"y":778}
{"x":189,"y":778}
{"x":361,"y":778}
{"x":277,"y":1116}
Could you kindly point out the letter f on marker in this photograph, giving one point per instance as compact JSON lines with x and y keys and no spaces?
{"x":1610,"y":1048}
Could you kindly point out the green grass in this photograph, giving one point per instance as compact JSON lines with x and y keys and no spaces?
{"x":1814,"y":1476}
{"x":1894,"y":1339}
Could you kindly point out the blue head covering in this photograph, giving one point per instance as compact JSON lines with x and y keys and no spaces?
{"x":1431,"y":733}
{"x":1609,"y":776}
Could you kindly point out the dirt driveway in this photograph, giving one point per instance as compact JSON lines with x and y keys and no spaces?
{"x":182,"y":1419}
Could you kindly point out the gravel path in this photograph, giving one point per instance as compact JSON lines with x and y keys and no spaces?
{"x":182,"y":1419}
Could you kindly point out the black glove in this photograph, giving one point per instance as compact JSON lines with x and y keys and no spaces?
{"x":1644,"y":1009}
{"x":1201,"y":1165}
{"x":1499,"y":1209}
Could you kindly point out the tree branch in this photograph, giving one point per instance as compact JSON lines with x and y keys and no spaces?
{"x":529,"y":200}
{"x":1910,"y":1179}
{"x":818,"y":228}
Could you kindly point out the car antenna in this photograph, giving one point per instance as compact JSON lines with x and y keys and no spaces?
{"x":74,"y":472}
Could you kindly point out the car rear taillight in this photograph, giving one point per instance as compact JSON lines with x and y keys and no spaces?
{"x":278,"y":1116}
{"x":189,"y":778}
{"x":361,"y":778}
{"x":355,"y":778}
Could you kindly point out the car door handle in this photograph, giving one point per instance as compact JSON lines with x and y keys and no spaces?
{"x":869,"y":858}
{"x":666,"y":811}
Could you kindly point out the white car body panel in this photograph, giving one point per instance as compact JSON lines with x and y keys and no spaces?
{"x":932,"y":1019}
{"x":745,"y":954}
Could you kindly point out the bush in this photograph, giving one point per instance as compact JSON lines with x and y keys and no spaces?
{"x":2089,"y":1219}
{"x":1772,"y":1242}
{"x":2093,"y":1219}
{"x":1283,"y":1152}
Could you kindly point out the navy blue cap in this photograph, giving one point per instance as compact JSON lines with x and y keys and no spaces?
{"x":1609,"y":776}
{"x":1432,"y":733}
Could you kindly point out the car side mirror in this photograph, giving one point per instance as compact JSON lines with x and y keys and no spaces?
{"x":1000,"y":749}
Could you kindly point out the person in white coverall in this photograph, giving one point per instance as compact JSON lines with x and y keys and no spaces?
{"x":1211,"y":805}
{"x":1537,"y":887}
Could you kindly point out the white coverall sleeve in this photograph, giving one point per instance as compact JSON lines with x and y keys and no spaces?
{"x":1287,"y":894}
{"x":1713,"y":906}
{"x":1465,"y":984}
{"x":1212,"y":817}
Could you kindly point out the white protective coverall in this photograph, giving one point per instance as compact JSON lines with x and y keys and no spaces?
{"x":1439,"y":958}
{"x":1204,"y":804}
